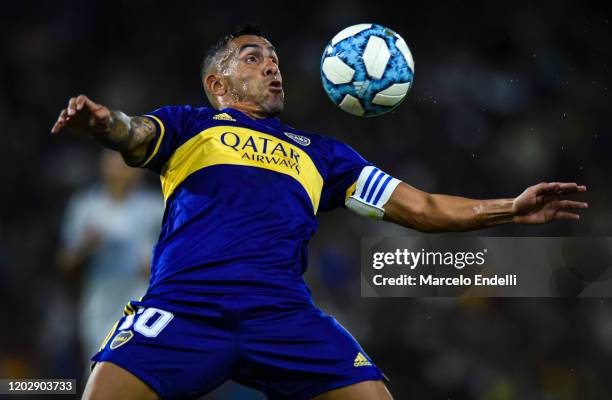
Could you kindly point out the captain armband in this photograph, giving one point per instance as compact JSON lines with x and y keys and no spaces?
{"x":371,"y":192}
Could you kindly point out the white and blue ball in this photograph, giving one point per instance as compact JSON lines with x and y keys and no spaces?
{"x":367,"y":70}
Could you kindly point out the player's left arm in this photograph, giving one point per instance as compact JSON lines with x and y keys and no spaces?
{"x":427,"y":212}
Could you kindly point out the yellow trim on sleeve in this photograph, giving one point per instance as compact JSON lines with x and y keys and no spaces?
{"x":350,"y":191}
{"x":159,"y":139}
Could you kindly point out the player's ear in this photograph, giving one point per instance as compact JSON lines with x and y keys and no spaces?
{"x":215,"y":85}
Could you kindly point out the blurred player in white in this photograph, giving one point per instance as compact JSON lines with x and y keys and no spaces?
{"x":108,"y":231}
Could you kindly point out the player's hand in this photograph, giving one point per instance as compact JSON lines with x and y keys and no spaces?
{"x":83,"y":116}
{"x":541,"y":203}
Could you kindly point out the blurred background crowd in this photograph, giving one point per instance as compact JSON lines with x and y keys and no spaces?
{"x":505,"y":95}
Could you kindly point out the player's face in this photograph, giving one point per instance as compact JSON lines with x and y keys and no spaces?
{"x":253,"y":75}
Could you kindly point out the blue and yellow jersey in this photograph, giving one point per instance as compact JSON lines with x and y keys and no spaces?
{"x":241,"y":198}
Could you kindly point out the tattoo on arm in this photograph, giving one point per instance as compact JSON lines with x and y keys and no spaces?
{"x":128,"y":135}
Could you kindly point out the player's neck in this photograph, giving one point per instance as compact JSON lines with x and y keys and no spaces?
{"x":258,"y":115}
{"x":250,"y":111}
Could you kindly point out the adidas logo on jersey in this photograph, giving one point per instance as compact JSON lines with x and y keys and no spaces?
{"x":361,"y":361}
{"x":301,"y":140}
{"x":224,"y":117}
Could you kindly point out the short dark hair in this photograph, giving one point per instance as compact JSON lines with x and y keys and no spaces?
{"x":219,"y":45}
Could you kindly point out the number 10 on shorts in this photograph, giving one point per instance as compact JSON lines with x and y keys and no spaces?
{"x":148,"y":322}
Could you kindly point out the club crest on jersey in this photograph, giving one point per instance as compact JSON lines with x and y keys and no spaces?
{"x":301,"y":140}
{"x":121,"y":339}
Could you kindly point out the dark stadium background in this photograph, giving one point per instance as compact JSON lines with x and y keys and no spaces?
{"x":506,"y":95}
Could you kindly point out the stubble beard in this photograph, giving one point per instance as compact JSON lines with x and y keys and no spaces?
{"x":258,"y":97}
{"x":270,"y":103}
{"x":275,"y":104}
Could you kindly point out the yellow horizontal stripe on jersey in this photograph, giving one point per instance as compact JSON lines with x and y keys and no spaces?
{"x":232,"y":145}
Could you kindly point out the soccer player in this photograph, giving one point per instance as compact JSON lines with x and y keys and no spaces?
{"x":107,"y":235}
{"x":226,"y":298}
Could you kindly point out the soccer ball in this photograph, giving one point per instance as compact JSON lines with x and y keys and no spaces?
{"x":367,"y":70}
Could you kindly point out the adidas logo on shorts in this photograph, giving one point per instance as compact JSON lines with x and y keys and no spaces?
{"x":224,"y":117}
{"x":361,"y":361}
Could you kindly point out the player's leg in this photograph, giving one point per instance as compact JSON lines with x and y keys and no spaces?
{"x":111,"y":382}
{"x":368,"y":390}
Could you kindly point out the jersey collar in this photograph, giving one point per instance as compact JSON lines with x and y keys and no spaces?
{"x":273,"y":121}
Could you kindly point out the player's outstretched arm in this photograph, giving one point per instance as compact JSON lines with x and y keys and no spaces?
{"x":111,"y":128}
{"x":427,"y":212}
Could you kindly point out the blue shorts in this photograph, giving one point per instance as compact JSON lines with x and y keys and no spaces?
{"x":285,"y":349}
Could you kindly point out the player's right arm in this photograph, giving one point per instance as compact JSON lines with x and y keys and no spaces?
{"x":130,"y":136}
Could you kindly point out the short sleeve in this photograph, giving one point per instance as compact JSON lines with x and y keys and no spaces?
{"x":346,"y":165}
{"x":172,"y":123}
{"x":356,"y":184}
